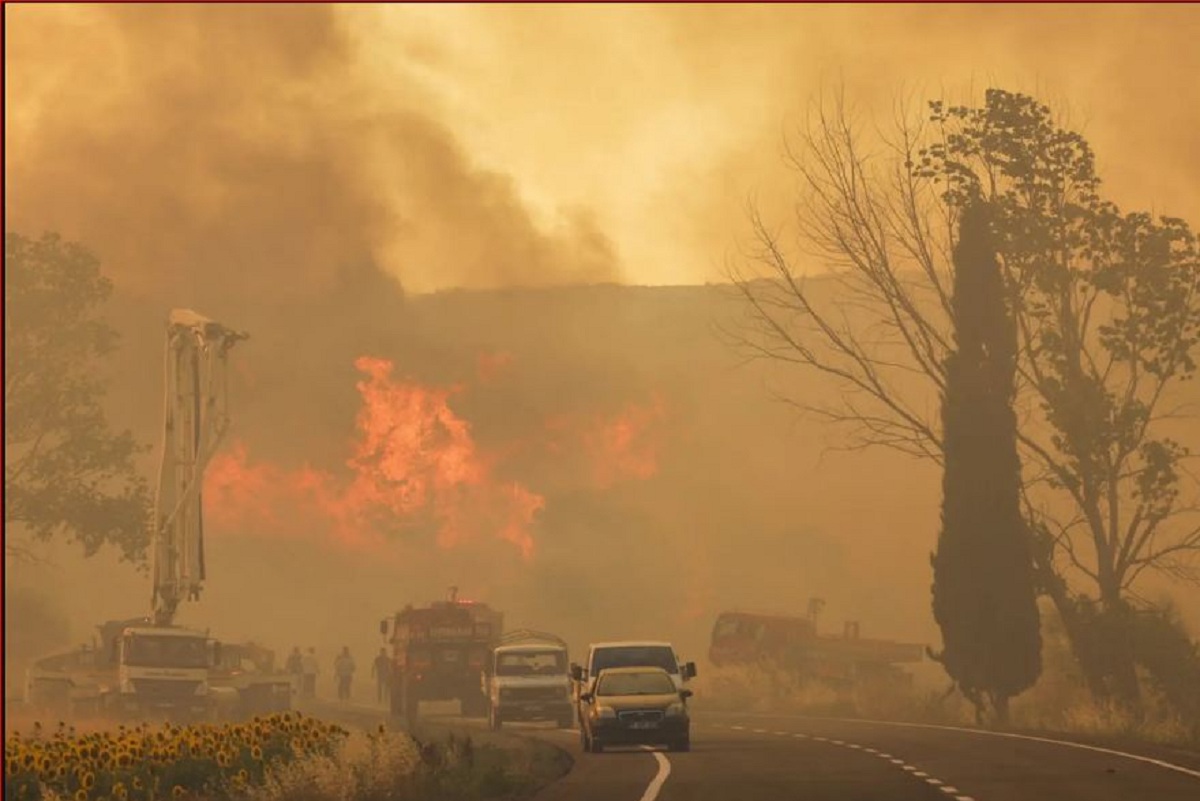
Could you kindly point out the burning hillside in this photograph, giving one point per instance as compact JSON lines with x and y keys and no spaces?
{"x":416,"y":469}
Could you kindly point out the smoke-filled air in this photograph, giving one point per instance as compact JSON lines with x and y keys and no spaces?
{"x":845,"y":349}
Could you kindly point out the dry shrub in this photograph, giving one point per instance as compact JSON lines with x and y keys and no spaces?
{"x":387,"y":766}
{"x":769,"y":689}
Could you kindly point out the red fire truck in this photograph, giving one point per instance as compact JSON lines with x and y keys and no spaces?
{"x":439,"y":653}
{"x":792,"y":643}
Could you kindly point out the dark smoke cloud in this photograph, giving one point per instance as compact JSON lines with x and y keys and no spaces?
{"x":206,"y":151}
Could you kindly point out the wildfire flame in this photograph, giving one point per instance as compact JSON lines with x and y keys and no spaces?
{"x":415,"y":466}
{"x":619,"y":448}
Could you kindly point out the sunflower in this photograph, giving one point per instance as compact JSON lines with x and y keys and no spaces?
{"x":81,"y":795}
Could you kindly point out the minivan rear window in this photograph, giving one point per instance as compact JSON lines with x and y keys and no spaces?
{"x":635,"y":656}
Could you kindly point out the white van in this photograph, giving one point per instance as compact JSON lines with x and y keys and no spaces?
{"x":605,"y":655}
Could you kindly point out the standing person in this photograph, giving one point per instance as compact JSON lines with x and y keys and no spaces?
{"x":381,"y":671}
{"x":295,"y":669}
{"x":343,"y":669}
{"x":310,"y":667}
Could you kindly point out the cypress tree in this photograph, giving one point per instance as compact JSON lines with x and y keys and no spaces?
{"x":983,"y":581}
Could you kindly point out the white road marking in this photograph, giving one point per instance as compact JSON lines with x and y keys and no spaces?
{"x":660,"y":778}
{"x":948,"y":789}
{"x":738,"y":728}
{"x":1065,"y":743}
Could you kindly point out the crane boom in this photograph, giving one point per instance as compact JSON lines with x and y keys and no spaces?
{"x":195,"y":419}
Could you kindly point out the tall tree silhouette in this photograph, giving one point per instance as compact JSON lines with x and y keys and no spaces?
{"x":1107,"y":309}
{"x":983,"y":579}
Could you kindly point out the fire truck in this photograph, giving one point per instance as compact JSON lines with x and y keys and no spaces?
{"x":793,"y":644}
{"x":439,"y":653}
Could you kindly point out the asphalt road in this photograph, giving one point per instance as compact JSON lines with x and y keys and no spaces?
{"x":739,"y":758}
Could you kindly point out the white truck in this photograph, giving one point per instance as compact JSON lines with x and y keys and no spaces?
{"x":149,"y":665}
{"x":527,"y":679}
{"x":604,"y":655}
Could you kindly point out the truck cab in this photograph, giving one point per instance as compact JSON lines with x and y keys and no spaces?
{"x":604,"y":655}
{"x":162,"y":670}
{"x":527,"y":679}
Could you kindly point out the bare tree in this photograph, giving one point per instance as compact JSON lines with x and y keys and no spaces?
{"x":1106,"y":307}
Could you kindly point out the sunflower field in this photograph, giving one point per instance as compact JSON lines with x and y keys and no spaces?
{"x":146,"y":763}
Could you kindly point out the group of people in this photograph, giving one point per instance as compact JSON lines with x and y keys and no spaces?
{"x":304,"y":666}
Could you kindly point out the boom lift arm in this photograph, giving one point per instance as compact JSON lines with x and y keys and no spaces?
{"x":195,"y":419}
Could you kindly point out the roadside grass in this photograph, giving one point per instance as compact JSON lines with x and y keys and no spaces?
{"x":1058,"y":704}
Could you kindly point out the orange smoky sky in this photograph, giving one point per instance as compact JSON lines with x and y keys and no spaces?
{"x":487,"y":145}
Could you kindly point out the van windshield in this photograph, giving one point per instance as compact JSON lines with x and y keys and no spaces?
{"x":635,"y":656}
{"x":531,"y":663}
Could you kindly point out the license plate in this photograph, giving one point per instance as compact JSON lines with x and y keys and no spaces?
{"x":643,"y":724}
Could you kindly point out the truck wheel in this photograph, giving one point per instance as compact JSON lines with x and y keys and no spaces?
{"x":494,"y":720}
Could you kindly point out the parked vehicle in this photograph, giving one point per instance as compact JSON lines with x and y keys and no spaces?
{"x":792,"y":643}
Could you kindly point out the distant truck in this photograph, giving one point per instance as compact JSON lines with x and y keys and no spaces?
{"x":604,"y":655}
{"x":527,"y":679}
{"x":439,"y":653}
{"x":246,"y":683}
{"x":793,"y":644}
{"x":137,"y":670}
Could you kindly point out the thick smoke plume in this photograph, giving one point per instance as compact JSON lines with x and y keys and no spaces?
{"x":211,"y":151}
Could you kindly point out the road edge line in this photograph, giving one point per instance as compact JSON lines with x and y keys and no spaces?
{"x":1011,"y":735}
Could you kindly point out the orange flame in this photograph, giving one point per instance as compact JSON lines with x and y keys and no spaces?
{"x":415,"y":464}
{"x":489,"y":366}
{"x":624,"y":447}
